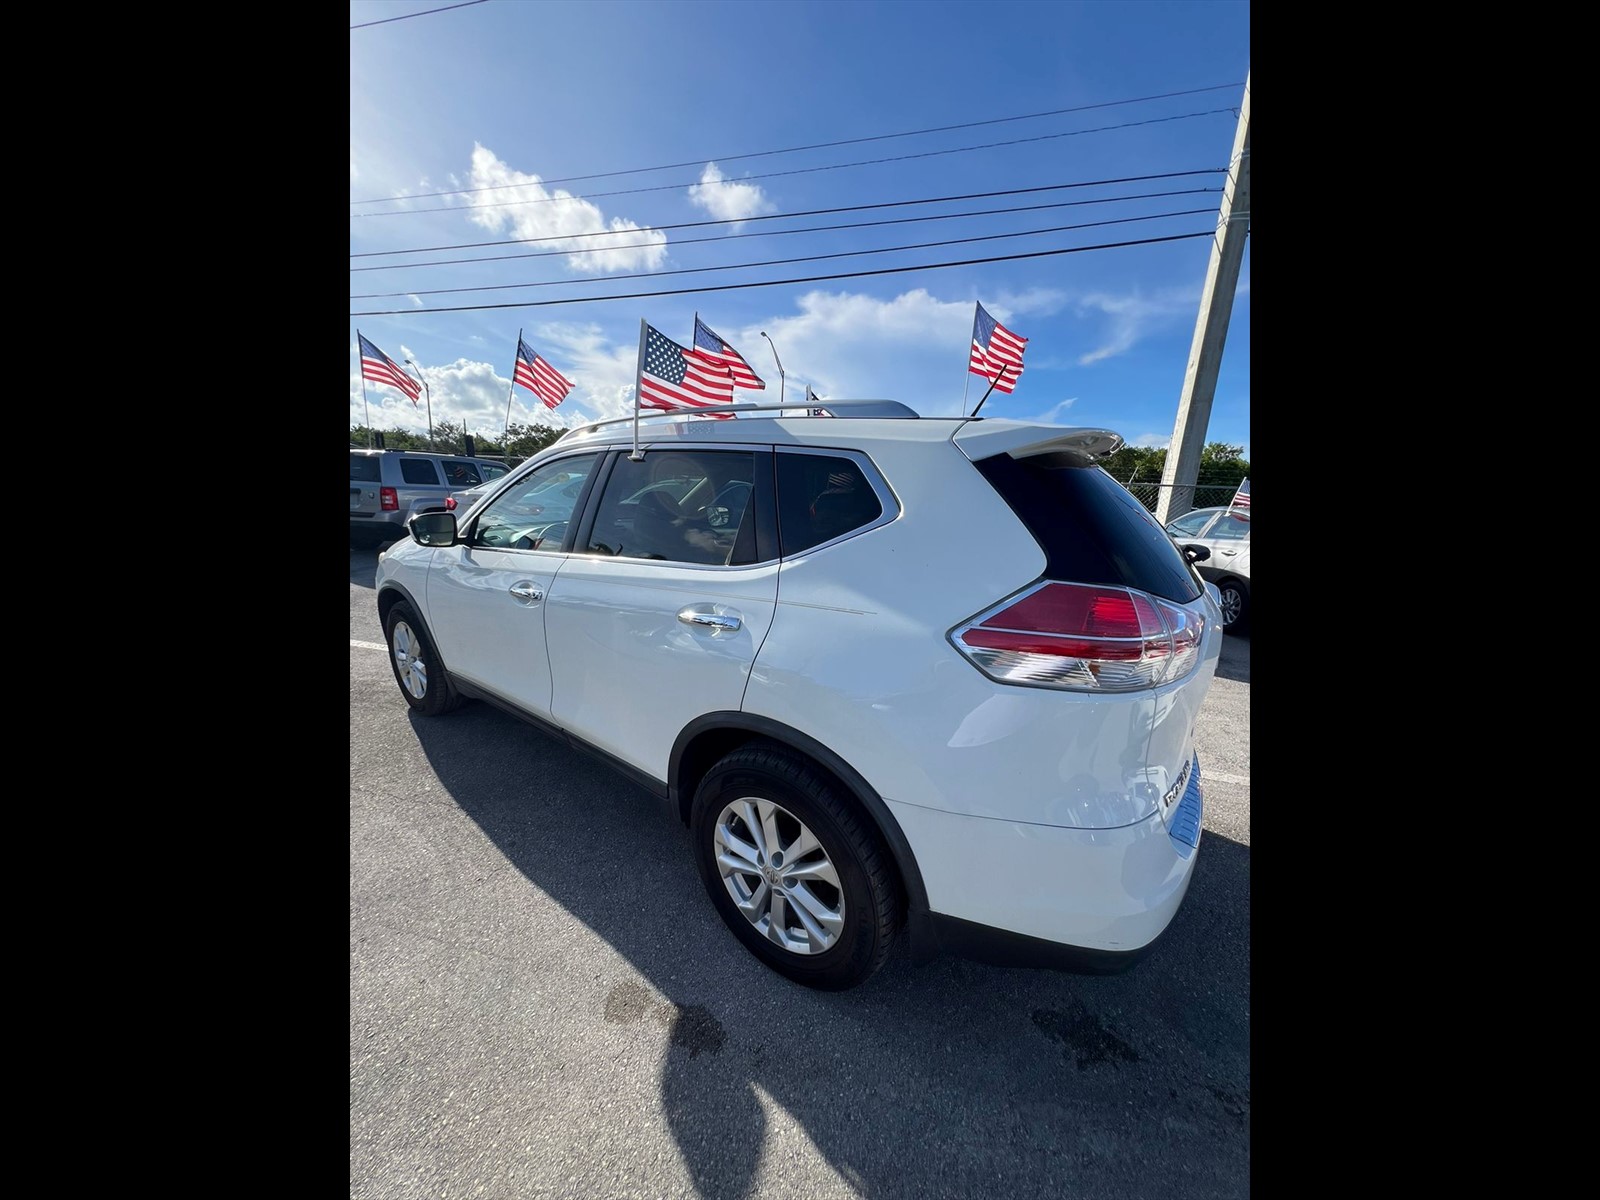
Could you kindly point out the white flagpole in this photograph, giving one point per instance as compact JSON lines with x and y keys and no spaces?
{"x":638,"y":375}
{"x":364,"y":404}
{"x":510,"y":392}
{"x":968,"y":383}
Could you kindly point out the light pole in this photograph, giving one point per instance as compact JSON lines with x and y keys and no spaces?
{"x":428,"y":392}
{"x":779,"y":361}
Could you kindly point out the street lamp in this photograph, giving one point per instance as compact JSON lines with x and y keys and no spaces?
{"x":428,"y":392}
{"x":779,"y":361}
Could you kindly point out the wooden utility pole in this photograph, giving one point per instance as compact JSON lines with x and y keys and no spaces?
{"x":1210,"y":332}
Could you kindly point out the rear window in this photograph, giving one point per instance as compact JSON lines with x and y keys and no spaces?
{"x":364,"y":468}
{"x":1090,"y":527}
{"x":418,"y":470}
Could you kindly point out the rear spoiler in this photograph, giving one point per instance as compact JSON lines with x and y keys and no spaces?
{"x":980,"y":439}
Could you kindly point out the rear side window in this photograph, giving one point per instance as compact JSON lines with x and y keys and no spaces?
{"x":418,"y":470}
{"x":1090,"y":527}
{"x":821,"y":497}
{"x":364,"y":468}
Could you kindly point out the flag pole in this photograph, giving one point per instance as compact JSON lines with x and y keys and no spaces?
{"x":638,"y":374}
{"x":1001,"y":374}
{"x":364,"y":404}
{"x":509,"y":392}
{"x":968,"y":383}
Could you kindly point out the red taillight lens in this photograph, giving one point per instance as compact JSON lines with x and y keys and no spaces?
{"x":1083,"y":638}
{"x":388,"y":499}
{"x":449,"y":504}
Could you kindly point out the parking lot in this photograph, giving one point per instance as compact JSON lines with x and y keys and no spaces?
{"x":544,"y":1003}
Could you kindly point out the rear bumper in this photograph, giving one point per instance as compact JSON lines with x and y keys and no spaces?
{"x":1087,"y":900}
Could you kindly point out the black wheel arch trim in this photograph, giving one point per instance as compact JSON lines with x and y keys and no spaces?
{"x":919,"y":925}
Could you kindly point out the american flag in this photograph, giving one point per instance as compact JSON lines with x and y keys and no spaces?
{"x":380,"y":368}
{"x":813,"y":404}
{"x":674,"y":377}
{"x":993,"y":347}
{"x":539,"y":377}
{"x":1241,"y":498}
{"x":706,"y":339}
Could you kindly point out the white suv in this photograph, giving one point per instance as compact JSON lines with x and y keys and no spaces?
{"x":938,"y":674}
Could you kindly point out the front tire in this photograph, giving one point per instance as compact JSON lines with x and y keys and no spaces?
{"x":794,"y":868}
{"x":423,"y":681}
{"x":1235,"y":606}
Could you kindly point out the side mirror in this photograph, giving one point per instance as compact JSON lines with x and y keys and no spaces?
{"x":434,"y":529}
{"x":1195,"y":553}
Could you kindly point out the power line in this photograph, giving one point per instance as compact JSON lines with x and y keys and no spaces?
{"x":867,"y":162}
{"x":797,"y":149}
{"x":725,"y":237}
{"x":408,"y":16}
{"x":782,"y":262}
{"x":810,"y":212}
{"x":734,"y":287}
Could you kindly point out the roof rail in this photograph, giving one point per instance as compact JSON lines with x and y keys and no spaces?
{"x":832,"y":408}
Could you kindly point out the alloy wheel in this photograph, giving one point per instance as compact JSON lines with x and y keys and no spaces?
{"x":779,"y":875}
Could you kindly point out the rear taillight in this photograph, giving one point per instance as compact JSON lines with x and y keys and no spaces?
{"x":1083,"y":638}
{"x":388,"y":499}
{"x":449,"y":504}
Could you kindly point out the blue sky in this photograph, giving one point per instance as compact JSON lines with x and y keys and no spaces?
{"x":604,"y":127}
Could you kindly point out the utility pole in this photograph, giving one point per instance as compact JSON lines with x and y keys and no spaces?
{"x":1210,"y":332}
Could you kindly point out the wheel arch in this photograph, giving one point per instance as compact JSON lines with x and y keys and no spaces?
{"x":709,"y":738}
{"x":391,"y":594}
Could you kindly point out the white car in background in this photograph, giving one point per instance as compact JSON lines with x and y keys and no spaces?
{"x":1225,"y":533}
{"x":939,"y":674}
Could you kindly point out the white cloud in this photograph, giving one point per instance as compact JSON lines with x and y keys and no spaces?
{"x":557,"y":213}
{"x":1152,"y":441}
{"x":1131,"y":318}
{"x":1055,"y":412}
{"x":727,"y":201}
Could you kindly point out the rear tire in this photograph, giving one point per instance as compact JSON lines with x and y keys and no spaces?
{"x":794,"y":868}
{"x":423,"y":681}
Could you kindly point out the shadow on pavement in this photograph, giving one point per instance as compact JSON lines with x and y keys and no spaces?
{"x":1234,"y":662}
{"x":949,"y":1079}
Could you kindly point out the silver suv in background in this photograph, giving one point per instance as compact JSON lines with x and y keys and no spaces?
{"x":389,"y":487}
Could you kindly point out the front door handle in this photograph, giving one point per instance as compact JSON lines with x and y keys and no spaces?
{"x":715,"y":622}
{"x":527,"y":592}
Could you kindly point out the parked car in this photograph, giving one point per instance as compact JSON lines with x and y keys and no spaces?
{"x":892,"y":671}
{"x":389,"y":487}
{"x":1225,"y":533}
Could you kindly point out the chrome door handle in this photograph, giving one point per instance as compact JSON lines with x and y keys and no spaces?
{"x":526,"y":592}
{"x":717,"y":624}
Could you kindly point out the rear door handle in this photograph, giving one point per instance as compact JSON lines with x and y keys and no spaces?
{"x":527,"y":592}
{"x":715,"y":622}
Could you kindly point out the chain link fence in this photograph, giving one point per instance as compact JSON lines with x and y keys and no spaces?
{"x":1205,"y":495}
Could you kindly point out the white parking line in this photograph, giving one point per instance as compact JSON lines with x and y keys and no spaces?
{"x":368,"y":645}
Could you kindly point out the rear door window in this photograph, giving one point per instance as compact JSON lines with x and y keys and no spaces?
{"x":365,"y":468}
{"x":459,"y":473}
